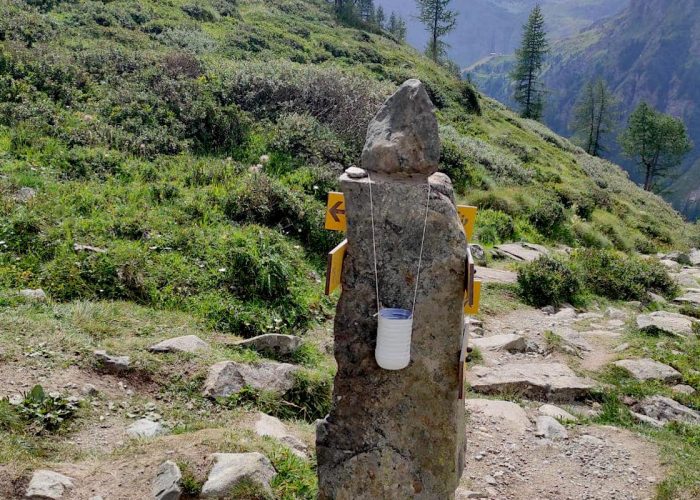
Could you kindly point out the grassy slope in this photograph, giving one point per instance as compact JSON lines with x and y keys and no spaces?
{"x":125,"y":129}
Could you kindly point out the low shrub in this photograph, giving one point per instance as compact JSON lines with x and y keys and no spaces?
{"x":622,"y":277}
{"x":548,"y":216}
{"x":548,"y":281}
{"x":493,"y":227}
{"x":305,"y":139}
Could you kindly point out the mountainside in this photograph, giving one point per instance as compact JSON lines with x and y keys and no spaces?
{"x":485,"y":27}
{"x":164,"y":169}
{"x":649,"y":52}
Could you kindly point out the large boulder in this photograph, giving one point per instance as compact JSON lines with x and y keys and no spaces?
{"x":664,"y":410}
{"x":186,"y":343}
{"x":666,"y":322}
{"x":403,"y":136}
{"x":232,"y":470}
{"x":272,"y":343}
{"x":648,"y":369}
{"x":46,"y":484}
{"x":229,"y":377}
{"x":373,"y":444}
{"x":542,"y":381}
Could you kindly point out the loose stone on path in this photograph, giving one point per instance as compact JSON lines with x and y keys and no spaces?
{"x":507,"y":342}
{"x":48,"y":484}
{"x":503,"y":413}
{"x":145,"y":428}
{"x":648,"y":369}
{"x":166,"y":485}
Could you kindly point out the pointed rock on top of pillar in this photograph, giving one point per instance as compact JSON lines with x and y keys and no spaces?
{"x":403,"y":136}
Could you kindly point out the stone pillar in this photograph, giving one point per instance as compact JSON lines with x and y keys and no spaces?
{"x":398,"y":434}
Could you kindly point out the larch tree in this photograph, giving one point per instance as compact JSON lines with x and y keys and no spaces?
{"x":656,"y":141}
{"x":595,"y":116}
{"x":439,"y":20}
{"x":529,"y":92}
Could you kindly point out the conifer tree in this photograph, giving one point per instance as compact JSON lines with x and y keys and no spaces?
{"x":595,"y":116}
{"x":439,"y":20}
{"x":397,"y":27}
{"x":529,"y":59}
{"x":379,"y":17}
{"x":658,"y":143}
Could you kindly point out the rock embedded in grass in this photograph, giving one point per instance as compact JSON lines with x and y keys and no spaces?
{"x":266,"y":425}
{"x":556,"y":412}
{"x":235,"y":469}
{"x":46,"y":484}
{"x":166,"y":485}
{"x":683,"y":389}
{"x":648,"y":369}
{"x":664,"y":410}
{"x":272,"y":343}
{"x":666,"y":322}
{"x":186,"y":343}
{"x":229,"y":377}
{"x":112,"y":364}
{"x":37,"y":295}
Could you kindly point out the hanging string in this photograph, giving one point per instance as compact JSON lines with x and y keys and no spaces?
{"x":420,"y":258}
{"x":374,"y":246}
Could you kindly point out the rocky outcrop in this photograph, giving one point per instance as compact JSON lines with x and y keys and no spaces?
{"x":546,"y":381}
{"x":228,"y":377}
{"x":522,"y":252}
{"x":373,"y":442}
{"x":665,"y":322}
{"x":664,"y":410}
{"x":648,"y":369}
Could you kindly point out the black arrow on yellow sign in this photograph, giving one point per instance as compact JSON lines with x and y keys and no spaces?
{"x":335,"y":210}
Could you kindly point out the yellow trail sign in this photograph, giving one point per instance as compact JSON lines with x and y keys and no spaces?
{"x":468,"y":217}
{"x":335,"y":212}
{"x":471,"y":304}
{"x":334,"y":269}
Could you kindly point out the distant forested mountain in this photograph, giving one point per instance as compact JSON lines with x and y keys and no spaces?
{"x":493,"y":26}
{"x":648,"y":52}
